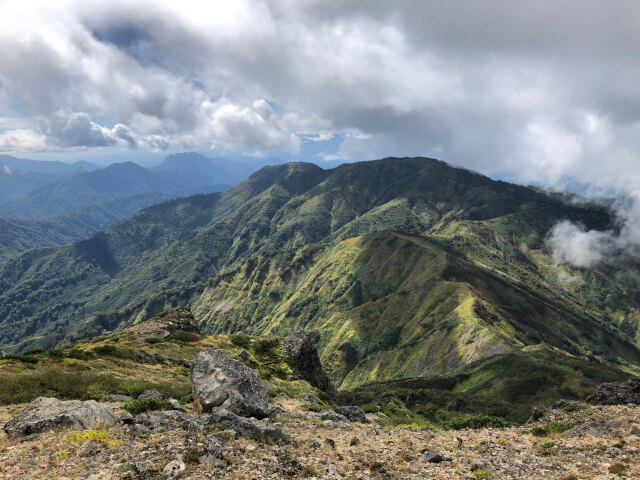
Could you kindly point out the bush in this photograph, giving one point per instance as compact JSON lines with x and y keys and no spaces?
{"x":312,"y":408}
{"x":21,"y":358}
{"x":474,"y":422}
{"x":550,"y":428}
{"x":241,"y":340}
{"x":57,"y":353}
{"x":142,"y":405}
{"x":184,"y":336}
{"x":106,"y":351}
{"x":187,"y":399}
{"x":152,"y":340}
{"x":80,"y":354}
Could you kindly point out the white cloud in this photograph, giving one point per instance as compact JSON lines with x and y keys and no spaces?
{"x":450,"y":79}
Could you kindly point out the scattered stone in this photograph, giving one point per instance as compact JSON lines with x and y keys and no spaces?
{"x":126,"y":418}
{"x":480,"y":464}
{"x":435,"y":456}
{"x":600,"y":428}
{"x":176,"y":405}
{"x":219,"y":381}
{"x":48,"y":413}
{"x":175,"y":469}
{"x":616,"y":393}
{"x":142,"y":467}
{"x":151,"y":394}
{"x":300,"y":349}
{"x":310,"y":398}
{"x":315,"y":446}
{"x":355,"y":441}
{"x":247,"y":427}
{"x":333,"y":416}
{"x":353,"y":413}
{"x":88,"y":449}
{"x":118,"y":398}
{"x":244,"y":356}
{"x":331,"y":443}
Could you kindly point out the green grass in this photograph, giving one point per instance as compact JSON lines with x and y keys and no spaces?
{"x":142,"y":405}
{"x":551,"y":428}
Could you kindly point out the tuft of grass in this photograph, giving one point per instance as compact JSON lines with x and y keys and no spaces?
{"x":98,"y":436}
{"x":481,"y":474}
{"x":312,"y":408}
{"x":547,"y":445}
{"x":142,"y":405}
{"x":617,"y":468}
{"x":153,"y":340}
{"x":241,"y":340}
{"x":184,"y":336}
{"x":310,"y":472}
{"x":474,"y":422}
{"x":551,"y":428}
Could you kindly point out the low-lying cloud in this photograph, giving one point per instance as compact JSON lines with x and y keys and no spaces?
{"x":575,"y":245}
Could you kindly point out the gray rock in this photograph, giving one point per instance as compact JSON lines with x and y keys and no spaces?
{"x":244,"y":356}
{"x":480,"y":464}
{"x":142,"y":467}
{"x":353,"y":413}
{"x":219,"y":381}
{"x":164,"y":418}
{"x":88,"y":449}
{"x":435,"y":456}
{"x":176,"y":405}
{"x":49,"y":413}
{"x":332,"y":416}
{"x":175,"y":469}
{"x":247,"y":427}
{"x":617,"y":393}
{"x":151,"y":394}
{"x":310,"y":398}
{"x":600,"y":428}
{"x":126,"y":418}
{"x":300,"y":349}
{"x":118,"y":398}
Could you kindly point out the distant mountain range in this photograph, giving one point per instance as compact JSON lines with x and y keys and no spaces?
{"x":51,"y":203}
{"x":409,"y":268}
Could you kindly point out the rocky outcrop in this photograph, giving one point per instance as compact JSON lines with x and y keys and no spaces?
{"x":151,"y":394}
{"x":247,"y":427}
{"x":302,"y":354}
{"x":353,"y":413}
{"x":618,"y":393}
{"x":219,"y":381}
{"x":49,"y":413}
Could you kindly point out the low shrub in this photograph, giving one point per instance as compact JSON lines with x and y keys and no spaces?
{"x":312,"y":408}
{"x":551,"y":428}
{"x":21,"y":358}
{"x":142,"y":405}
{"x":184,"y":336}
{"x":241,"y":340}
{"x":474,"y":422}
{"x":153,"y":340}
{"x":80,"y":354}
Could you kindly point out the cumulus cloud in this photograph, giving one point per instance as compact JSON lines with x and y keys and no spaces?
{"x":531,"y":94}
{"x":574,"y":244}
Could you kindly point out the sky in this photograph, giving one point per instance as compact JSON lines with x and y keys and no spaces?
{"x":537,"y":92}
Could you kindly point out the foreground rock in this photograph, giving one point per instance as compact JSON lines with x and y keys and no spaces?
{"x":300,"y":349}
{"x":219,"y":381}
{"x":618,"y":393}
{"x":353,"y":413}
{"x":247,"y":427}
{"x":49,"y":413}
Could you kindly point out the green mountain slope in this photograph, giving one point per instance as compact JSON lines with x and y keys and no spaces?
{"x":408,"y":268}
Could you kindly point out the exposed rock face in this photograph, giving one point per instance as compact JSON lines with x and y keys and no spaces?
{"x":151,"y":394}
{"x":353,"y":413}
{"x":219,"y":381}
{"x":48,"y":413}
{"x":247,"y":427}
{"x":300,"y":348}
{"x":618,"y":393}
